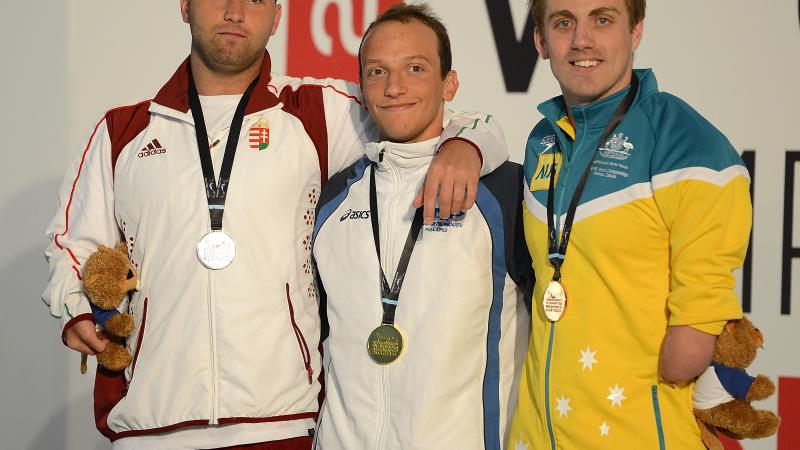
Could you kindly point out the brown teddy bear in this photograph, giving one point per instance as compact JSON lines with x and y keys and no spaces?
{"x":723,"y":393}
{"x":108,"y":275}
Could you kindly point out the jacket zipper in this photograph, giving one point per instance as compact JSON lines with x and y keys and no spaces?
{"x":387,"y":232}
{"x":564,"y":178}
{"x":139,"y":338}
{"x":301,"y":340}
{"x":213,"y":345}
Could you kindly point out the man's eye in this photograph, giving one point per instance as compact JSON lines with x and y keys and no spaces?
{"x":563,"y":24}
{"x":416,"y":68}
{"x":375,"y":72}
{"x":603,"y":21}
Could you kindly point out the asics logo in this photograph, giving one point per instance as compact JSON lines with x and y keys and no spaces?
{"x":354,"y":215}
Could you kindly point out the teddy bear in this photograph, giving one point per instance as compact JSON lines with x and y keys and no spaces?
{"x":722,"y":394}
{"x":108,"y":275}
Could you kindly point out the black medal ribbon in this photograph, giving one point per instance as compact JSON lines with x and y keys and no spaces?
{"x":558,"y":252}
{"x":217,"y":192}
{"x":390,"y":295}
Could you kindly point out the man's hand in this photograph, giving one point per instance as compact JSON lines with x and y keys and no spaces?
{"x":686,"y":353}
{"x":82,"y":337}
{"x":453,"y":175}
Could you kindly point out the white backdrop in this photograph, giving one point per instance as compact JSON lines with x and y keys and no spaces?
{"x":66,"y":63}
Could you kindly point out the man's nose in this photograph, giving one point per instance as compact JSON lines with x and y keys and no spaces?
{"x":582,"y":37}
{"x":394,"y":85}
{"x":234,"y":11}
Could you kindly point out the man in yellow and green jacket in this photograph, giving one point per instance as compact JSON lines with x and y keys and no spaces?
{"x":662,"y":221}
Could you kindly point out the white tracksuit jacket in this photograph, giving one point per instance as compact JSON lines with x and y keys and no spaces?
{"x":234,"y":346}
{"x":460,"y":309}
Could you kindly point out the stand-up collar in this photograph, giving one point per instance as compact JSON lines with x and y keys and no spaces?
{"x":402,"y":155}
{"x":598,"y":114}
{"x":175,"y":93}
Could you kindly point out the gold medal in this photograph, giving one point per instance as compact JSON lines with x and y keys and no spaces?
{"x":555,"y":301}
{"x":385,"y":344}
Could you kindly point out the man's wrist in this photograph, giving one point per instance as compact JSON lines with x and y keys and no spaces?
{"x":72,"y":322}
{"x":472,"y":144}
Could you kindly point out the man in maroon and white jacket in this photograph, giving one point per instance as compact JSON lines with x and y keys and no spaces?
{"x":227,"y":327}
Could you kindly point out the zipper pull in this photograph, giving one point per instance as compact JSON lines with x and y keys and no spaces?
{"x":310,"y":373}
{"x":380,"y":155}
{"x":213,"y":144}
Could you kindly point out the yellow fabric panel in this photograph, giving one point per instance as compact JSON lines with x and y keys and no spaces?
{"x":617,"y":276}
{"x":709,"y":230}
{"x":541,"y":176}
{"x":565,"y":124}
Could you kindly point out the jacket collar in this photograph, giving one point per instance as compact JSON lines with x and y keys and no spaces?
{"x":598,"y":114}
{"x":173,"y":98}
{"x":402,"y":155}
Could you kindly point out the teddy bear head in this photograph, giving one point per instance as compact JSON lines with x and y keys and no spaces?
{"x":737,"y":345}
{"x":108,"y":275}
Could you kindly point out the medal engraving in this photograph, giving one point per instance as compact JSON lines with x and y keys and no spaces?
{"x":555,"y":301}
{"x":216,"y":250}
{"x":385,"y":344}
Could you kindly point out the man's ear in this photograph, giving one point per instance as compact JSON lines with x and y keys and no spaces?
{"x":185,"y":10}
{"x":538,"y":41}
{"x":637,"y":32}
{"x":277,"y":22}
{"x":450,"y":86}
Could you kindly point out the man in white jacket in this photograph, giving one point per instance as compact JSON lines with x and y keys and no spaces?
{"x":427,"y":323}
{"x":226,"y":317}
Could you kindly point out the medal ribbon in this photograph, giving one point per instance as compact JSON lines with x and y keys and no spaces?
{"x":217,"y":192}
{"x":557,"y":253}
{"x":390,"y":296}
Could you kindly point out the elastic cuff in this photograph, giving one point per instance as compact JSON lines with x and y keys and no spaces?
{"x":73,"y":321}
{"x":480,"y":155}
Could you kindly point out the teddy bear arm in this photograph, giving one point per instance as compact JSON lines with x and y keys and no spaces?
{"x":115,"y":357}
{"x":761,"y":388}
{"x":120,"y":324}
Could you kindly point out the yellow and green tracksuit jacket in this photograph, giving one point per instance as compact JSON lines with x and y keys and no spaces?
{"x":663,"y":222}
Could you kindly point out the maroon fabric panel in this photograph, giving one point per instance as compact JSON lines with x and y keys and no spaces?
{"x":109,"y":388}
{"x":307,"y":105}
{"x":124,"y":124}
{"x":175,"y":93}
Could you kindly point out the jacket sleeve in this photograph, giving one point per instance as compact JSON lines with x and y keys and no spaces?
{"x":709,"y":215}
{"x":84,"y":219}
{"x":483,"y":132}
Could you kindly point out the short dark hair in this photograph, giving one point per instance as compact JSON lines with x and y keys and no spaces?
{"x":635,"y":11}
{"x":423,"y":13}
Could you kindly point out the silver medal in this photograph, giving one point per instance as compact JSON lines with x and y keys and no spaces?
{"x":216,"y":250}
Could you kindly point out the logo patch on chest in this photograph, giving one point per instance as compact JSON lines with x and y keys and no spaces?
{"x":153,"y":148}
{"x":540,"y":181}
{"x":440,"y":225}
{"x":617,"y":147}
{"x":259,"y":135}
{"x":352,"y":214}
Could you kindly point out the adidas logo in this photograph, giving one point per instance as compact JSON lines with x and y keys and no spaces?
{"x":153,"y":148}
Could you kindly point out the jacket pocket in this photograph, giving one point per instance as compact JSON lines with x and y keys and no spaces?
{"x":301,"y":340}
{"x":139,"y":339}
